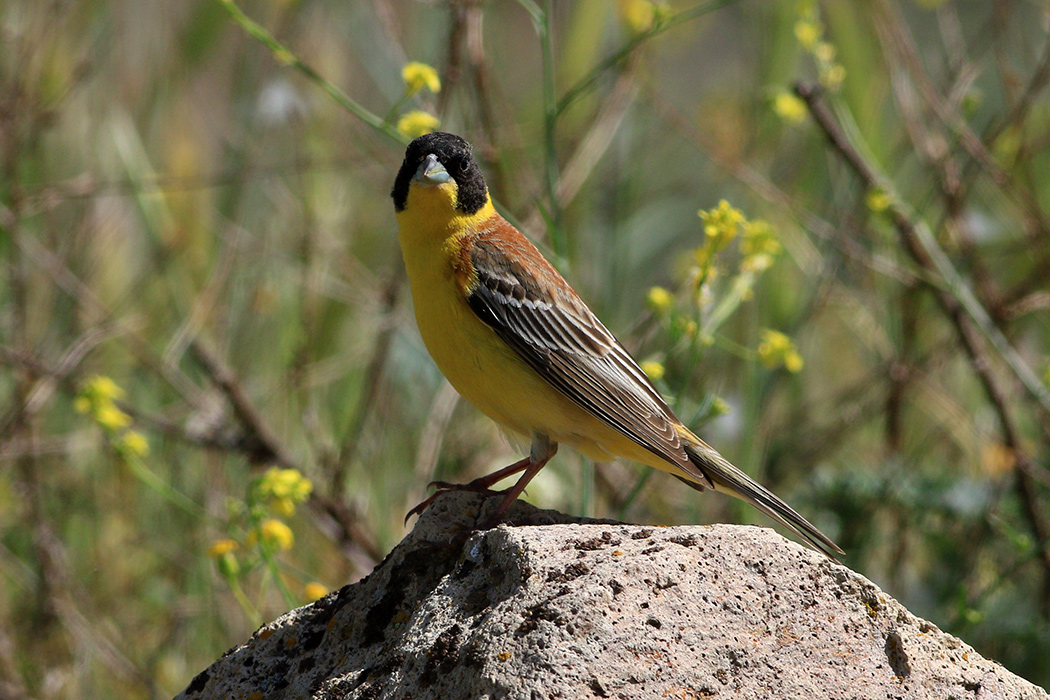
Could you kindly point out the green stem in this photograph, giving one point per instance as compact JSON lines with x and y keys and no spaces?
{"x":250,"y":611}
{"x":160,"y":486}
{"x":743,"y":283}
{"x":275,"y":572}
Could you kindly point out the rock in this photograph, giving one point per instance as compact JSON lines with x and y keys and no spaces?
{"x":585,"y":609}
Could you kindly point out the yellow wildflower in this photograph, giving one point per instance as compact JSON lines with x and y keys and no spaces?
{"x":221,"y":547}
{"x":132,"y":443}
{"x":283,"y":488}
{"x":639,"y":15}
{"x":789,"y":107}
{"x":99,"y":387}
{"x":660,"y":300}
{"x":314,"y":591}
{"x":776,"y":349}
{"x":82,"y":404}
{"x":285,"y":483}
{"x":110,"y":417}
{"x":276,"y":534}
{"x":832,"y":78}
{"x":655,"y":370}
{"x":759,"y":246}
{"x":415,"y":124}
{"x":877,"y":200}
{"x":418,"y":76}
{"x":808,"y":33}
{"x":722,"y":221}
{"x":719,"y":407}
{"x":720,"y":227}
{"x":825,"y":52}
{"x":284,"y":507}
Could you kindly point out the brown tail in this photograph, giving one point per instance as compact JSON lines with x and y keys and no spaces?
{"x":728,"y":478}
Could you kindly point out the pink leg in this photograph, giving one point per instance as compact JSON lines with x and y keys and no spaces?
{"x":542,"y":451}
{"x":479,"y":485}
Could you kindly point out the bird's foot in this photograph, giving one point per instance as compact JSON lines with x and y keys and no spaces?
{"x":477,"y":486}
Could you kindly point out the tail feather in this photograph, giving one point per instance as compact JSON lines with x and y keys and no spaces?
{"x":726,"y":477}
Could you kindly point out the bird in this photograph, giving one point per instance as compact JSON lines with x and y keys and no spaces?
{"x":517,"y":342}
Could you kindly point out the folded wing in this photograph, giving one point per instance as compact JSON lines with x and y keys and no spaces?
{"x":538,"y":315}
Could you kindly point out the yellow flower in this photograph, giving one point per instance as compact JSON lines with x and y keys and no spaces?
{"x":789,"y":107}
{"x":660,"y":300}
{"x":720,"y":227}
{"x":284,"y":507}
{"x":877,"y":200}
{"x":719,"y":406}
{"x":776,"y":349}
{"x":824,"y":52}
{"x":759,"y":246}
{"x":722,"y":221}
{"x":418,"y":76}
{"x":283,"y":488}
{"x":100,"y":387}
{"x":276,"y":534}
{"x":414,"y":124}
{"x":638,"y":14}
{"x":832,"y":78}
{"x":314,"y":591}
{"x":221,"y":547}
{"x":655,"y":370}
{"x":82,"y":404}
{"x":285,"y":483}
{"x":132,"y":443}
{"x":808,"y":33}
{"x":110,"y":417}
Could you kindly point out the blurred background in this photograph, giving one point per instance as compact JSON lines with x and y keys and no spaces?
{"x":215,"y":403}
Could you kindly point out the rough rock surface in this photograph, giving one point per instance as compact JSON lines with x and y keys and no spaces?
{"x":602,"y":610}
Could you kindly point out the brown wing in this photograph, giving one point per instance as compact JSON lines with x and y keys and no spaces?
{"x":537,"y":314}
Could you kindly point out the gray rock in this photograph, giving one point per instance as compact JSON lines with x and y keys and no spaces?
{"x":582,"y":609}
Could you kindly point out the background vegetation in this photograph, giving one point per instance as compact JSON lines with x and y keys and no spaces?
{"x":201,"y":282}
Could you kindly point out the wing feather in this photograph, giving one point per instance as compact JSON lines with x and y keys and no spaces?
{"x":539,"y":316}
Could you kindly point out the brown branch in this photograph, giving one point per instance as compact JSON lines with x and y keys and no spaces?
{"x":260,"y":443}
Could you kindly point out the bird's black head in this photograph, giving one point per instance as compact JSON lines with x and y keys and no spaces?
{"x":452,"y":152}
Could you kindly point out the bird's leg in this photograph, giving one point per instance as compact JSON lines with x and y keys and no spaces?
{"x":480,"y":485}
{"x":542,"y":451}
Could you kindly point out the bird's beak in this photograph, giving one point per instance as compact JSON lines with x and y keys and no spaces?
{"x":431,"y":171}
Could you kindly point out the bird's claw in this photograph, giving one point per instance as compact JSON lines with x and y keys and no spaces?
{"x":444,"y":487}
